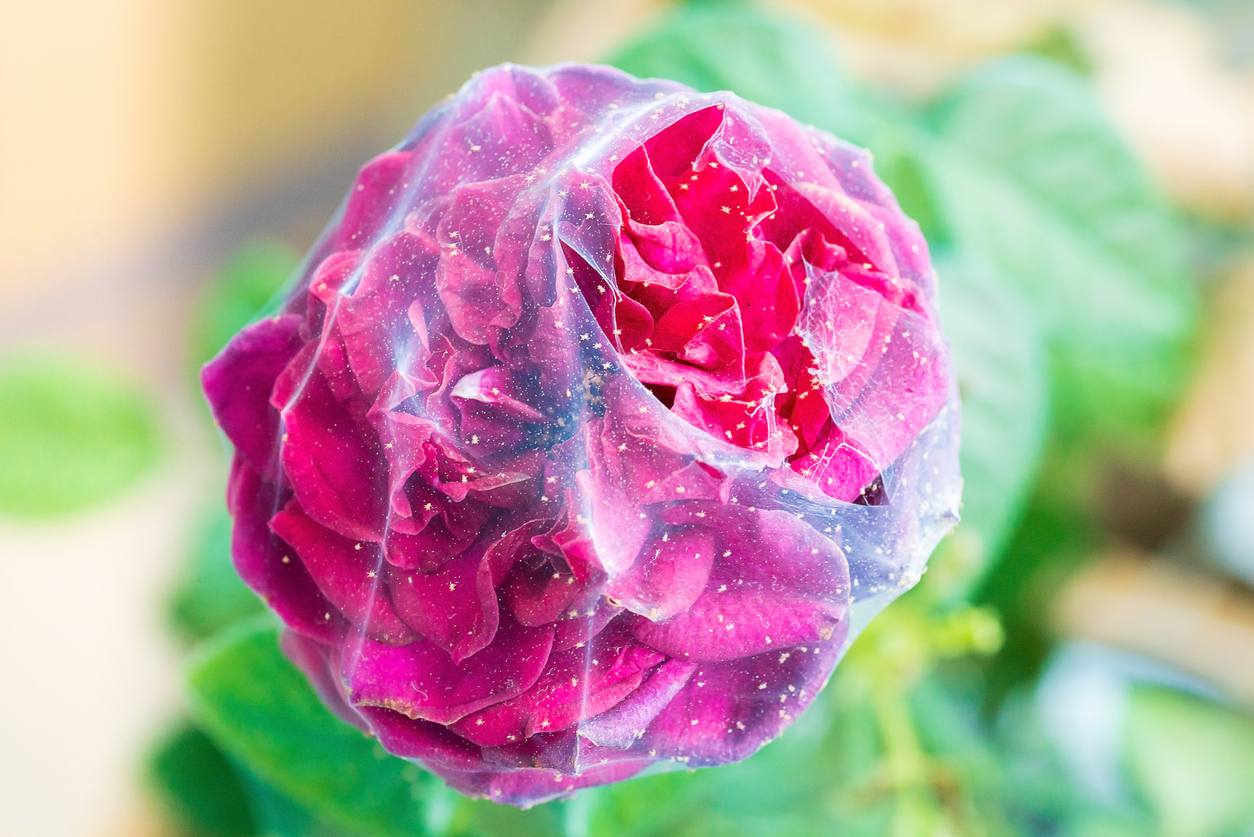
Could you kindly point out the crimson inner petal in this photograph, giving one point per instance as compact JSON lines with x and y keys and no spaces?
{"x":754,"y":247}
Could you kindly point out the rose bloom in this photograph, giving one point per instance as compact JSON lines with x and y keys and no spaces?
{"x":589,"y":419}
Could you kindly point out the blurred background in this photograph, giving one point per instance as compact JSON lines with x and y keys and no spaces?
{"x":164,"y":165}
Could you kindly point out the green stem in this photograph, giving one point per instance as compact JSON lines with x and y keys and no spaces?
{"x":917,"y":812}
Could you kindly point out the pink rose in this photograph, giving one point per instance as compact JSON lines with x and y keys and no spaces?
{"x":559,"y":459}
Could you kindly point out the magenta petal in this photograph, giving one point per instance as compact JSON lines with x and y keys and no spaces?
{"x":626,"y":722}
{"x":705,"y":332}
{"x":727,"y":626}
{"x":642,"y":194}
{"x":349,"y":573}
{"x":500,"y":388}
{"x":837,"y":466}
{"x":373,"y":199}
{"x":478,"y":295}
{"x":527,"y":787}
{"x":453,"y":607}
{"x":438,"y":749}
{"x":238,"y":382}
{"x":775,"y":583}
{"x":266,"y":562}
{"x":769,"y":549}
{"x":727,"y":711}
{"x":320,"y":663}
{"x":580,"y":630}
{"x":669,"y":576}
{"x":421,"y":680}
{"x":576,"y":684}
{"x":435,"y":530}
{"x":669,"y":247}
{"x":769,"y":303}
{"x":334,"y":464}
{"x":541,"y":595}
{"x":375,"y":319}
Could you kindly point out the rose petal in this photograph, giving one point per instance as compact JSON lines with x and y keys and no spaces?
{"x":350,"y":574}
{"x":335,"y":465}
{"x":454,"y":607}
{"x":626,"y":722}
{"x":576,"y":684}
{"x":727,"y":711}
{"x":421,"y":681}
{"x":239,"y":380}
{"x":373,"y":199}
{"x":669,"y":576}
{"x":266,"y":563}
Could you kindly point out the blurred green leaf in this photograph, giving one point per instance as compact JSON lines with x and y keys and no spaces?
{"x":1193,"y":762}
{"x":255,"y":704}
{"x":763,"y":57}
{"x":1003,"y":379}
{"x":1108,"y":824}
{"x":278,"y":816}
{"x":1052,"y":542}
{"x":73,"y":432}
{"x":1061,"y":43}
{"x":198,"y":786}
{"x":1031,"y":176}
{"x":239,"y":289}
{"x":210,"y":595}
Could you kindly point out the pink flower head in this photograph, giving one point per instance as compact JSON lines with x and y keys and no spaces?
{"x":588,"y":422}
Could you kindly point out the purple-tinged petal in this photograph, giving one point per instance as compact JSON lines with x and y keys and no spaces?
{"x":528,"y":787}
{"x":373,"y":199}
{"x":349,"y":573}
{"x":669,"y":575}
{"x":334,"y":464}
{"x":267,"y":564}
{"x":576,"y":684}
{"x":582,"y":627}
{"x":421,"y":680}
{"x":622,"y":725}
{"x":727,"y":711}
{"x":320,"y":663}
{"x":454,"y":607}
{"x":239,"y":380}
{"x":434,"y":745}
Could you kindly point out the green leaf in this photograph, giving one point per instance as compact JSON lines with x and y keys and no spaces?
{"x":198,"y":786}
{"x":277,"y":815}
{"x":73,"y":432}
{"x":1054,"y":539}
{"x":1031,"y":176}
{"x":1192,"y":760}
{"x":261,"y":710}
{"x":210,"y":595}
{"x":1003,"y":379}
{"x":238,"y":291}
{"x":1109,"y":824}
{"x":764,"y":58}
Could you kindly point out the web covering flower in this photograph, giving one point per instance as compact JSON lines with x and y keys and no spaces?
{"x":596,"y":424}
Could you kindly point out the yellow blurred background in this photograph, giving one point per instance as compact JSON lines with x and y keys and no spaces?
{"x":127,"y":120}
{"x":142,"y":140}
